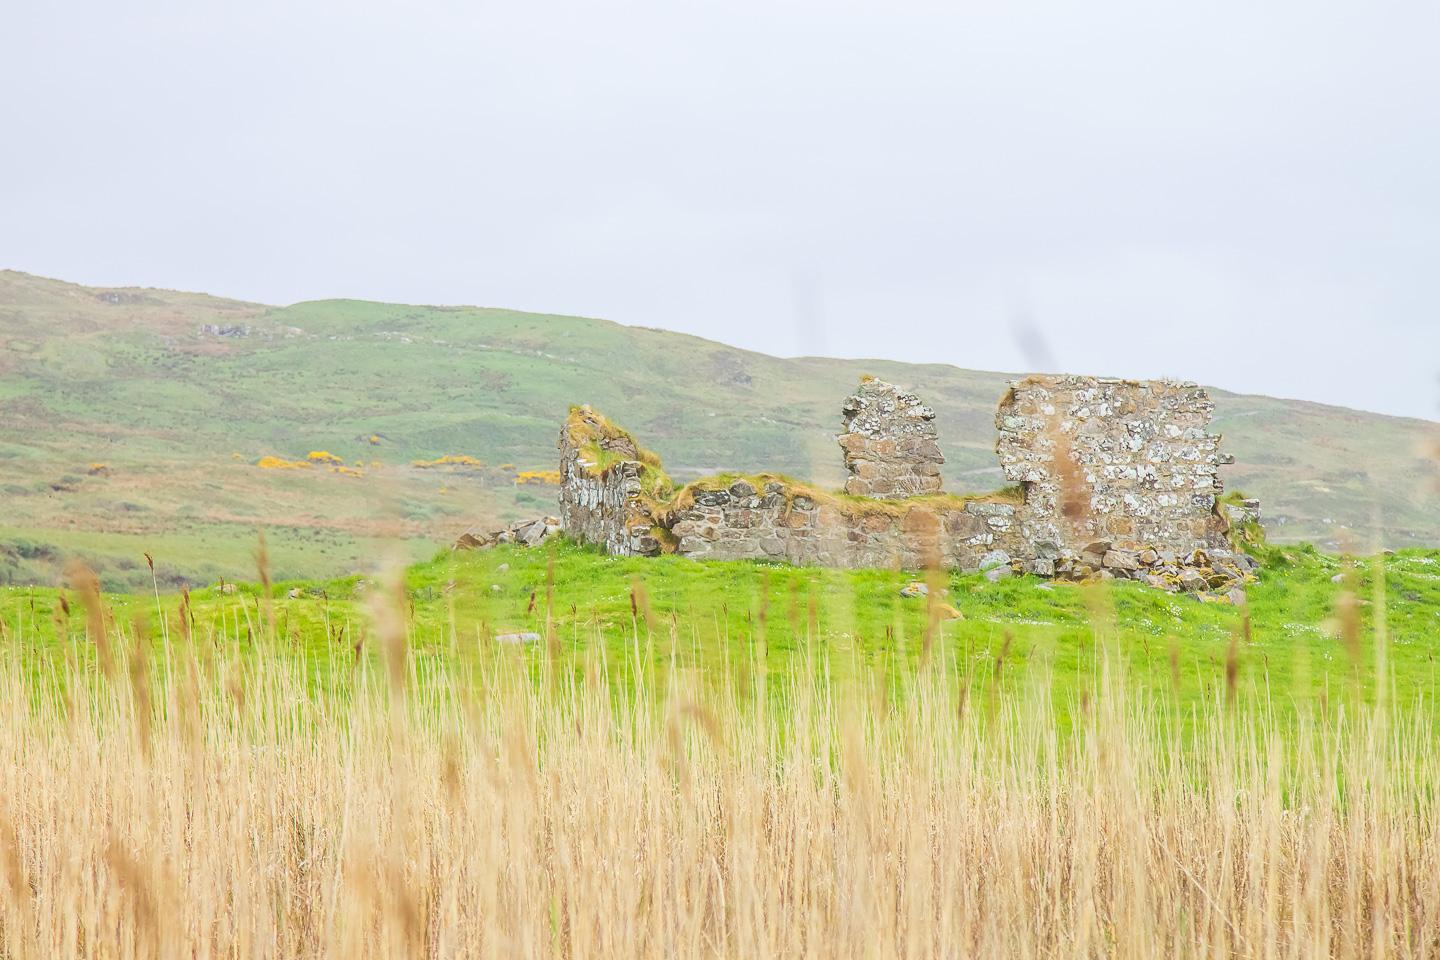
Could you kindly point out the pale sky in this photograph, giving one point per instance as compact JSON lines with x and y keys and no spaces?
{"x":1238,"y":192}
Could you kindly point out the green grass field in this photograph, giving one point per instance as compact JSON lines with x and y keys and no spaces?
{"x":1302,"y":638}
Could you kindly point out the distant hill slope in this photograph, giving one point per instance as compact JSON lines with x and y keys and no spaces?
{"x":132,"y":416}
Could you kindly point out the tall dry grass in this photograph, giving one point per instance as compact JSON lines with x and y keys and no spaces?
{"x":204,"y":803}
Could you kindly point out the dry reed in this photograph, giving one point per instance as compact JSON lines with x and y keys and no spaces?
{"x":470,"y":804}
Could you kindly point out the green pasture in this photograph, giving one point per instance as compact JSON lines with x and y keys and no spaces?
{"x":1302,"y":639}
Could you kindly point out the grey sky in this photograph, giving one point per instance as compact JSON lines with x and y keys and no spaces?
{"x":1243,"y":193}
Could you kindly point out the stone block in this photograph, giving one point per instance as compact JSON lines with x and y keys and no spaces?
{"x":1041,"y":567}
{"x":1121,"y":560}
{"x":1192,"y":580}
{"x":692,"y":546}
{"x":796,"y":519}
{"x":962,"y":525}
{"x":741,"y":489}
{"x":993,"y":559}
{"x":875,"y":523}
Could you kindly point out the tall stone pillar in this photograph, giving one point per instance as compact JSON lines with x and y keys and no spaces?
{"x":890,"y":443}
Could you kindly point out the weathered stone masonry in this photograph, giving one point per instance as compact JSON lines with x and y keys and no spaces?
{"x":890,"y":443}
{"x":769,"y":518}
{"x":1117,"y":474}
{"x":601,"y":504}
{"x":1115,"y":478}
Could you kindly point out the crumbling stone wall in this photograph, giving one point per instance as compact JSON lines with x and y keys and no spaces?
{"x":772,"y":519}
{"x":890,"y":443}
{"x":1117,"y":478}
{"x":1117,"y":474}
{"x":601,"y":502}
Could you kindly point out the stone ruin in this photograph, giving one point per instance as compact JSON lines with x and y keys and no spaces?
{"x":1110,"y":479}
{"x":890,"y":443}
{"x":1120,"y":475}
{"x":603,"y":476}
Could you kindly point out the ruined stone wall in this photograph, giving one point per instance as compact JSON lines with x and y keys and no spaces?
{"x":890,"y":443}
{"x":1117,"y":478}
{"x":1113,"y":464}
{"x":602,"y":505}
{"x":773,"y":520}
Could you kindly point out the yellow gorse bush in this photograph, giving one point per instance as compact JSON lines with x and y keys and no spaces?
{"x":279,"y":463}
{"x":538,"y":476}
{"x":449,"y":460}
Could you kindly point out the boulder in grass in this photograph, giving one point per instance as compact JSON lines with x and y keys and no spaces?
{"x":473,"y":540}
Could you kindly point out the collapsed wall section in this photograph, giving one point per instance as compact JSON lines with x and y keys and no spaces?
{"x":768,"y":518}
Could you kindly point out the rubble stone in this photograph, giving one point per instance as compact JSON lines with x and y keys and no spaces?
{"x":1121,"y":560}
{"x":527,"y":533}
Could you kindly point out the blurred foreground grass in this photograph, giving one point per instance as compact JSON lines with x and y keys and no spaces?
{"x":714,"y":760}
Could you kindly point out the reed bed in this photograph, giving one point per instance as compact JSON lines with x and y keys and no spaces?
{"x":172,"y":797}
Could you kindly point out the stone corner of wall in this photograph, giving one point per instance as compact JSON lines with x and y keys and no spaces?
{"x":604,"y":506}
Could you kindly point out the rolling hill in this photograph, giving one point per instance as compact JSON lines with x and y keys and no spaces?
{"x":135,"y":420}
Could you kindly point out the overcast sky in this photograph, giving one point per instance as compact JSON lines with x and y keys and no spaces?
{"x":1244,"y":193}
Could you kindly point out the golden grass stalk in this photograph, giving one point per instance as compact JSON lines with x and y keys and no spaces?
{"x":591,"y":817}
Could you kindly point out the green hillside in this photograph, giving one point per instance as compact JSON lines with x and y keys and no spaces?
{"x":133,"y":420}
